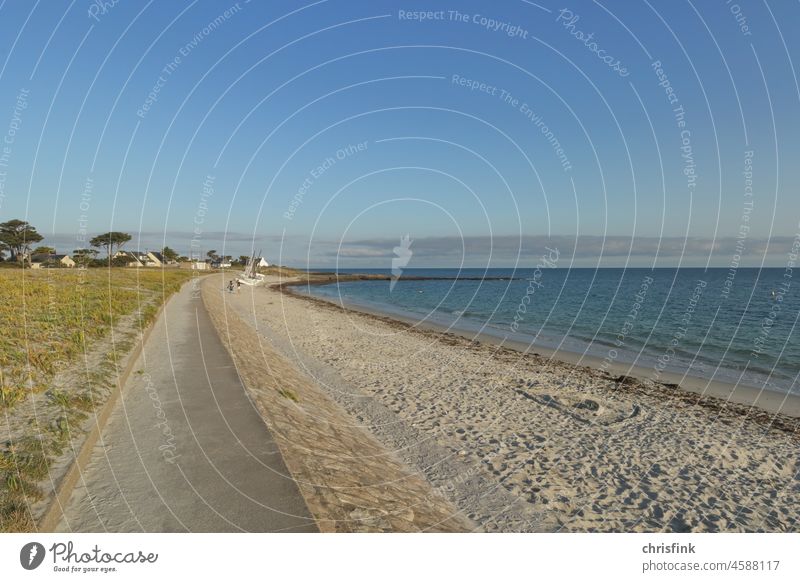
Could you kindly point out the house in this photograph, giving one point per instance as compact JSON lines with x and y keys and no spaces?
{"x":51,"y":261}
{"x":195,"y":265}
{"x":132,"y":258}
{"x":221,"y":265}
{"x":157,"y":259}
{"x":263,"y":262}
{"x":141,"y":259}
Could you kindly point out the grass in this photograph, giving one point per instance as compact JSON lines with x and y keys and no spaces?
{"x":10,"y":395}
{"x":49,"y":317}
{"x":277,"y":270}
{"x":49,"y":320}
{"x":289,"y":394}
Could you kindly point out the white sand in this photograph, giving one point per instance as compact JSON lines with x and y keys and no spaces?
{"x":523,"y":443}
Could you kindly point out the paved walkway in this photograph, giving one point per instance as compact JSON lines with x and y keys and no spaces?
{"x":185,"y":450}
{"x":350,"y":479}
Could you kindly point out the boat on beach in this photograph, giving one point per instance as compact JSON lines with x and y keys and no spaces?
{"x":250,"y":276}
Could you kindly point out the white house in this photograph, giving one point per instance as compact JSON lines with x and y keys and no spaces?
{"x":155,"y":259}
{"x":140,"y":259}
{"x":51,"y":260}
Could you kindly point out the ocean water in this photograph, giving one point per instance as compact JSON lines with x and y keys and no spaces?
{"x":715,"y":324}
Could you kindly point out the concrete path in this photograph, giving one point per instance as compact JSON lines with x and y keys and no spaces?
{"x":185,"y":450}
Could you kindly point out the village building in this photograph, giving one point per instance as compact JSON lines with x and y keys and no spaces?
{"x":45,"y":261}
{"x":141,"y":259}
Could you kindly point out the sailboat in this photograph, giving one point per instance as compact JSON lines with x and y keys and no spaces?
{"x":250,"y":275}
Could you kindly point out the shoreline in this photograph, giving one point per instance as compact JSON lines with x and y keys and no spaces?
{"x":770,"y":401}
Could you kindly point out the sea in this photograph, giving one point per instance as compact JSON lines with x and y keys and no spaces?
{"x":736,"y":326}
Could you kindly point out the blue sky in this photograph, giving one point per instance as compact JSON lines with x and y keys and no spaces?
{"x":269,"y":101}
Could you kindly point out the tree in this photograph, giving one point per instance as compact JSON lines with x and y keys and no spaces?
{"x":183,"y":259}
{"x":110,"y":240}
{"x":84,"y":256}
{"x":18,"y":235}
{"x":3,"y":249}
{"x":212,"y":255}
{"x":243,"y":259}
{"x":169,"y":254}
{"x":44,"y":251}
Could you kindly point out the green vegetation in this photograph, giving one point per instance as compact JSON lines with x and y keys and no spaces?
{"x":52,"y":321}
{"x":84,"y":257}
{"x":169,"y":254}
{"x":279,"y":271}
{"x":17,"y":236}
{"x":51,"y":317}
{"x":109,"y":241}
{"x":289,"y":394}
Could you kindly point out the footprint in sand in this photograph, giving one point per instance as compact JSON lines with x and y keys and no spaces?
{"x":585,"y":410}
{"x":588,"y":405}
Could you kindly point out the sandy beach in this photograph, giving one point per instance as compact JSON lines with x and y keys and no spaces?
{"x":525,"y":442}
